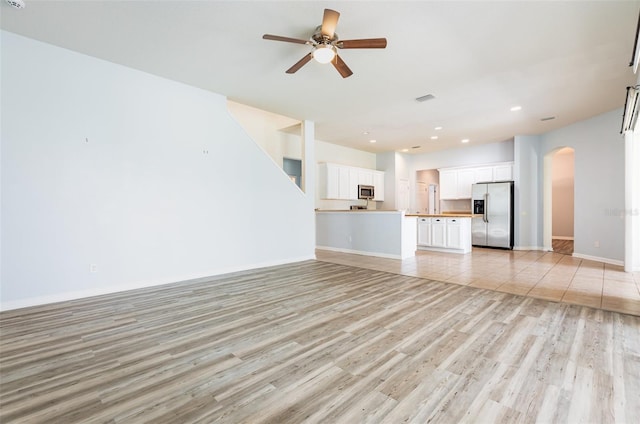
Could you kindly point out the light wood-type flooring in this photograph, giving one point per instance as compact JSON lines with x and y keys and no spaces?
{"x":562,"y":246}
{"x":318,"y":342}
{"x":543,"y":275}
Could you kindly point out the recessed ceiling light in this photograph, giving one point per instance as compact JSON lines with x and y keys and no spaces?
{"x":372,"y":141}
{"x":404,"y":150}
{"x":516,"y":108}
{"x":437,"y":128}
{"x":366,"y":133}
{"x":465,"y":140}
{"x":434,"y":137}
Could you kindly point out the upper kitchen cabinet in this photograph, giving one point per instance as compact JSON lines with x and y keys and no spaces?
{"x":378,"y":184}
{"x":448,"y":184}
{"x":455,"y":183}
{"x":340,"y":182}
{"x":334,"y":181}
{"x":503,"y":172}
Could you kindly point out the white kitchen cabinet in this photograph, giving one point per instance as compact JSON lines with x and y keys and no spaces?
{"x":455,"y":183}
{"x":329,"y":181}
{"x":438,"y":232}
{"x":335,"y":182}
{"x":365,"y":177}
{"x":353,"y":183}
{"x":483,"y":174}
{"x":378,"y":184}
{"x":503,"y":172}
{"x":454,"y":233}
{"x":341,"y":181}
{"x":444,"y":234}
{"x":449,"y":184}
{"x":424,"y":231}
{"x":466,"y":178}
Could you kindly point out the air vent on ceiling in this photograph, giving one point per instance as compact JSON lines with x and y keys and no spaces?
{"x":425,"y":98}
{"x":548,"y":118}
{"x":415,"y":147}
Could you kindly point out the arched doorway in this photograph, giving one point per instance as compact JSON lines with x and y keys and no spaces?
{"x":559,"y":200}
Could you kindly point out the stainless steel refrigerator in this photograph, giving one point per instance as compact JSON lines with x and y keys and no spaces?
{"x":493,"y":205}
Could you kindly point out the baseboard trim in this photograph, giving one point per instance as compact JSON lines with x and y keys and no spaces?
{"x":528,"y":248}
{"x":561,"y":238}
{"x":598,"y":259}
{"x":81,"y":294}
{"x":361,"y":252}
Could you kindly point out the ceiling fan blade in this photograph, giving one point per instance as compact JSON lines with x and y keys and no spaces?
{"x":342,"y":67}
{"x":367,"y":43}
{"x":286,"y":39}
{"x":299,"y":64}
{"x":329,"y":22}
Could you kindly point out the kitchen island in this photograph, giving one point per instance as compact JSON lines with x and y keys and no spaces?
{"x":444,"y":232}
{"x":383,"y":233}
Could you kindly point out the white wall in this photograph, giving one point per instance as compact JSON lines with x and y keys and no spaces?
{"x":150,"y":180}
{"x":599,"y":183}
{"x":463,"y":156}
{"x":527,"y":176}
{"x":270,"y":131}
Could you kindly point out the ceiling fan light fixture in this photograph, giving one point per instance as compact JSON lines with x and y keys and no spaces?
{"x":324,"y":53}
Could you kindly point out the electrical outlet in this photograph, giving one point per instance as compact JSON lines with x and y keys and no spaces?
{"x":93,"y":268}
{"x":596,"y":243}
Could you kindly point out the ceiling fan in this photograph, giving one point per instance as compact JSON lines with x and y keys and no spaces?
{"x":325,"y":41}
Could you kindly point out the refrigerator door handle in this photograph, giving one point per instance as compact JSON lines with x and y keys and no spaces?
{"x":486,"y":206}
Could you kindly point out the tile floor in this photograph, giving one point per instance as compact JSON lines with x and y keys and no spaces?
{"x":544,"y":275}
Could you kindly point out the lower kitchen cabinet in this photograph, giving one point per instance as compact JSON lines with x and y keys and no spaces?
{"x":424,"y":231}
{"x":438,"y":232}
{"x":444,"y":234}
{"x":455,"y":238}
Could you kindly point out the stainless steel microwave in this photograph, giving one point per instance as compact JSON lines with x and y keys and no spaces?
{"x":366,"y":191}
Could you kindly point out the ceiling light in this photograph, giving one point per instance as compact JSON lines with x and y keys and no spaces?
{"x":324,"y":53}
{"x":434,"y":137}
{"x":437,"y":128}
{"x":465,"y":140}
{"x":404,"y":150}
{"x":366,"y":133}
{"x":372,"y":141}
{"x":516,"y":108}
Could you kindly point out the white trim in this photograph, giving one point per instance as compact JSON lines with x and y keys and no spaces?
{"x":443,"y":250}
{"x":79,"y":294}
{"x":598,"y":259}
{"x":561,"y":238}
{"x":528,"y":248}
{"x":362,"y":252}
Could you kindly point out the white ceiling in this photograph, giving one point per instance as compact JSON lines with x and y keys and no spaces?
{"x":567,"y":60}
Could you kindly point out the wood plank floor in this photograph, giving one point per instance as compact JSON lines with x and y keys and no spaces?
{"x":564,"y":247}
{"x":318,"y":342}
